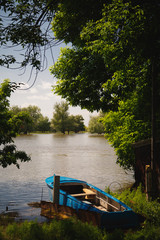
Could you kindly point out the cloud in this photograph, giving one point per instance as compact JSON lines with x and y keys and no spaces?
{"x":45,"y":85}
{"x":38,"y":97}
{"x":33,"y":90}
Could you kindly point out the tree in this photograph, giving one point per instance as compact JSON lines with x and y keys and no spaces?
{"x":93,"y":79}
{"x":43,"y":124}
{"x":60,"y":117}
{"x":75,"y":68}
{"x":76,"y":123}
{"x":35,"y":113}
{"x":28,"y":118}
{"x":95,"y":125}
{"x":124,"y":41}
{"x":28,"y":28}
{"x":123,"y":128}
{"x":8,"y":152}
{"x":23,"y":122}
{"x":63,"y":122}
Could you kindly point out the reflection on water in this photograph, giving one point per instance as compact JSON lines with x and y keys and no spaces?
{"x":79,"y":156}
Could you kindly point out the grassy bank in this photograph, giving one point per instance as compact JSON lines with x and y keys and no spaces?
{"x":72,"y":229}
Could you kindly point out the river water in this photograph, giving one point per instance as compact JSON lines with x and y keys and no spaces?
{"x":80,"y":156}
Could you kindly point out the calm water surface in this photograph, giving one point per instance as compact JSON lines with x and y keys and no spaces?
{"x":80,"y":156}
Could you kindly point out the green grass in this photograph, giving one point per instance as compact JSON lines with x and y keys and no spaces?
{"x":136,"y":199}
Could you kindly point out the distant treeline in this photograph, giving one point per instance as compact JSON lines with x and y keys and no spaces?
{"x":30,"y":119}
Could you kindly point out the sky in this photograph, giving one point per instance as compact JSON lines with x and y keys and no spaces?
{"x":40,"y":94}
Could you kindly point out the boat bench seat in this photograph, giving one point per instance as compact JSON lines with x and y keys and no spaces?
{"x":88,"y":194}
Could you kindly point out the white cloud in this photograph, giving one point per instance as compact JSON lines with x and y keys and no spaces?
{"x":33,"y":90}
{"x":45,"y":85}
{"x":38,"y":97}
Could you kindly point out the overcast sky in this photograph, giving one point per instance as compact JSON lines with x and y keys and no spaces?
{"x":41,"y":93}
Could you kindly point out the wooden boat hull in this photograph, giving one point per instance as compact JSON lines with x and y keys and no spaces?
{"x":81,"y":195}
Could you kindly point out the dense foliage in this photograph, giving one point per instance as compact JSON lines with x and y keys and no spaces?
{"x":26,"y":24}
{"x":111,"y":66}
{"x":8,"y":152}
{"x":136,"y":199}
{"x":95,"y":125}
{"x":63,"y":122}
{"x":29,"y":119}
{"x":124,"y":127}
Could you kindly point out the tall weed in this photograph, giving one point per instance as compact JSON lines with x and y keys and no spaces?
{"x":25,"y":231}
{"x":136,"y":199}
{"x":71,"y":229}
{"x":12,"y":231}
{"x":150,"y":232}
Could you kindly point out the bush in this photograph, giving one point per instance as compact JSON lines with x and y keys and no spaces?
{"x":12,"y":231}
{"x":136,"y":199}
{"x":148,"y":233}
{"x":70,"y":229}
{"x":25,"y":231}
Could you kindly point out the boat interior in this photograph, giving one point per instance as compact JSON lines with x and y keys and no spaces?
{"x":85,"y":193}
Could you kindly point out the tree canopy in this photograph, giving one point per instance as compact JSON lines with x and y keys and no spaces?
{"x":29,"y":119}
{"x":95,"y":125}
{"x":62,"y":121}
{"x":8,"y":151}
{"x":111,"y":66}
{"x":26,"y":24}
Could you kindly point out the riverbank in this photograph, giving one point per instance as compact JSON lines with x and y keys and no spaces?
{"x":72,"y":229}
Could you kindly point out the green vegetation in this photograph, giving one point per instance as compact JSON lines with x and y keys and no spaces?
{"x":63,"y":122}
{"x":95,"y":125}
{"x":29,"y":119}
{"x":8,"y":152}
{"x":124,"y":127}
{"x":72,"y":229}
{"x":114,"y":57}
{"x":56,"y":230}
{"x":136,"y":199}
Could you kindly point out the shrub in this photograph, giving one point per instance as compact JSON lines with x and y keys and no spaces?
{"x":71,"y":229}
{"x":136,"y":199}
{"x":12,"y":231}
{"x":150,"y":232}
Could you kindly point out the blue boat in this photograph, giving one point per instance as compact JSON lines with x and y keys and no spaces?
{"x":81,"y":195}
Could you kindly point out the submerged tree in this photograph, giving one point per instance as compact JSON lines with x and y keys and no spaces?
{"x":75,"y":123}
{"x":95,"y":125}
{"x":63,"y":122}
{"x":29,"y":119}
{"x":8,"y":151}
{"x":44,"y":124}
{"x":60,"y":117}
